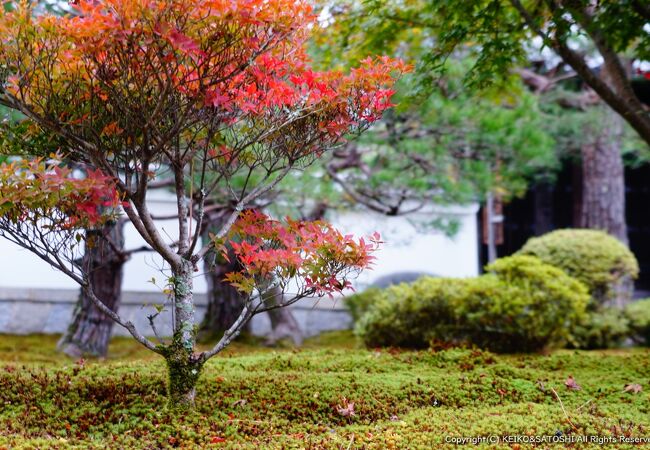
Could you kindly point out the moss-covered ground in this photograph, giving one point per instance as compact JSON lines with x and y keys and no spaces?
{"x":252,"y":397}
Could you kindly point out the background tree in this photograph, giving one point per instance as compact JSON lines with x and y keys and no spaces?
{"x":500,"y":36}
{"x":443,"y":144}
{"x":130,"y":85}
{"x":593,"y":135}
{"x":90,"y":329}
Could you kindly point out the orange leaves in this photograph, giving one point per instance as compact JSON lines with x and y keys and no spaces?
{"x":313,"y":252}
{"x":111,"y":129}
{"x":167,"y":69}
{"x":243,"y":60}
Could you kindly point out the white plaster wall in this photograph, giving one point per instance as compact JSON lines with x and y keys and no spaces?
{"x":405,"y":250}
{"x":408,"y":248}
{"x":20,"y":268}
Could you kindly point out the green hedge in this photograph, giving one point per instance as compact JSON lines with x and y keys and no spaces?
{"x":600,"y":261}
{"x":357,"y":304}
{"x":638,"y":315}
{"x":523,"y":304}
{"x":604,"y":328}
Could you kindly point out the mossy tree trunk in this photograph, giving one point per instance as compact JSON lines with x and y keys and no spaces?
{"x":184,"y":367}
{"x":183,"y":372}
{"x":90,"y":330}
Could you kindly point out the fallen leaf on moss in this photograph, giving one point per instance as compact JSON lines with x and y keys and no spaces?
{"x":240,"y":402}
{"x":633,"y":388}
{"x":571,"y":383}
{"x":346,"y":408}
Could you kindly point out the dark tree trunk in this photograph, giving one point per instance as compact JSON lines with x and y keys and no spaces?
{"x":577,"y":187}
{"x":543,"y":197}
{"x":225,"y":303}
{"x":283,"y":323}
{"x":603,"y":179}
{"x":90,"y":330}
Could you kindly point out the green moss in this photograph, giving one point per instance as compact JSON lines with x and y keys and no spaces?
{"x":597,"y":259}
{"x":288,"y":399}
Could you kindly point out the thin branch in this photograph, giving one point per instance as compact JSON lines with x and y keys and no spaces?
{"x":116,"y":318}
{"x":230,"y":334}
{"x":152,"y":323}
{"x":254,"y":194}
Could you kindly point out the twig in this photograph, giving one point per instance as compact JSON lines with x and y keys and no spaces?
{"x":563,"y":410}
{"x":151,"y":318}
{"x":351,"y":441}
{"x":585,"y":404}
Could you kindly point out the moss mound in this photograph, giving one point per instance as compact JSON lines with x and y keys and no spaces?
{"x":638,"y":316}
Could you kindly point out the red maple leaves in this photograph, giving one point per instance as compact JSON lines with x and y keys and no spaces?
{"x":313,"y":252}
{"x":38,"y":190}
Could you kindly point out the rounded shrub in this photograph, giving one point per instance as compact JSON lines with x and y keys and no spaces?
{"x":410,"y":315}
{"x":604,"y":264}
{"x":604,"y":328}
{"x":537,"y":307}
{"x":638,"y":315}
{"x":523,"y":304}
{"x":357,"y":304}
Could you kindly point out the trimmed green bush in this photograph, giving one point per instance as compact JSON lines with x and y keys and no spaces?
{"x":600,"y":261}
{"x":522,"y":305}
{"x":410,"y":315}
{"x":537,"y":309}
{"x":360,"y":302}
{"x":605,"y":328}
{"x":638,"y":315}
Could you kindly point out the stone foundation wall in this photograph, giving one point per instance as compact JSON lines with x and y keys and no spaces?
{"x":27,"y":311}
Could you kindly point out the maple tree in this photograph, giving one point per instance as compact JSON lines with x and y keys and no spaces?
{"x":139,"y":89}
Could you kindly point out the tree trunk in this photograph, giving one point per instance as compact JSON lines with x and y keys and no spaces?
{"x":603,"y":180}
{"x":543,"y":198}
{"x":183,"y":371}
{"x":283,"y":323}
{"x":184,"y":367}
{"x":603,"y":190}
{"x":90,"y":330}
